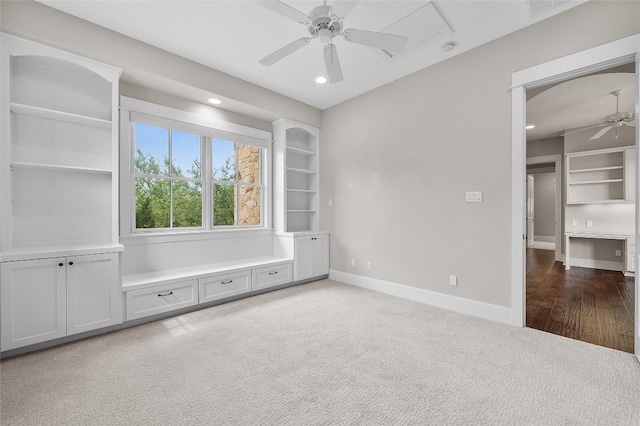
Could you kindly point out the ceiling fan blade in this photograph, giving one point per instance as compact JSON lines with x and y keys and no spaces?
{"x":389,"y":42}
{"x":600,"y":133}
{"x":332,"y":62}
{"x":284,"y":51}
{"x":582,"y":130}
{"x":341,"y":8}
{"x":285,"y":10}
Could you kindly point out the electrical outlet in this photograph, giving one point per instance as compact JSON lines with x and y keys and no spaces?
{"x":589,"y":223}
{"x":574,"y":223}
{"x":330,"y":203}
{"x":618,"y":252}
{"x":369,"y":265}
{"x":453,"y":280}
{"x":353,"y":262}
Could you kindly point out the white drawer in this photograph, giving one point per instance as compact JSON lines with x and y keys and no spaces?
{"x":270,"y":276}
{"x":227,"y":285}
{"x":162,"y":298}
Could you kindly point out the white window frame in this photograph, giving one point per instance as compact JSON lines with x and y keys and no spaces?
{"x":171,"y":180}
{"x":137,"y":111}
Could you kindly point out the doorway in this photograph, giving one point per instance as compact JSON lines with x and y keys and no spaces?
{"x":612,"y":54}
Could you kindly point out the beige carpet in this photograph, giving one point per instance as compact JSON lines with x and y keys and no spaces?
{"x":317,"y":354}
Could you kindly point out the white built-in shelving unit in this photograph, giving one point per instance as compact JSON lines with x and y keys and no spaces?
{"x":295,"y":177}
{"x":59,"y":248}
{"x":296,"y":199}
{"x":601,"y":176}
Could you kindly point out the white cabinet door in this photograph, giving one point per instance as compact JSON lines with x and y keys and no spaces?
{"x":303,"y":255}
{"x":320,"y":255}
{"x":33,"y":305}
{"x":94,"y":298}
{"x":311,"y":256}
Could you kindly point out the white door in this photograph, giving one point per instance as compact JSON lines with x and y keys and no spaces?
{"x":33,"y":302}
{"x":530,"y":216}
{"x":94,"y":297}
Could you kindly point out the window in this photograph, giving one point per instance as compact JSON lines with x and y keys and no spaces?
{"x":168,"y":178}
{"x":236,"y":184}
{"x":188,"y":177}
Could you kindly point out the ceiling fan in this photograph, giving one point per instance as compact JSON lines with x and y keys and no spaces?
{"x":324,"y":23}
{"x":612,"y":121}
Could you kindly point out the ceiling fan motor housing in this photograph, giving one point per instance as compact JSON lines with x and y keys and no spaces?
{"x":321,"y":20}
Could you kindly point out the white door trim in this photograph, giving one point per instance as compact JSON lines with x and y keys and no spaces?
{"x":637,"y":177}
{"x":582,"y":63}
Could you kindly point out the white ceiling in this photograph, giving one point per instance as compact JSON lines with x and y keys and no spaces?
{"x":231,"y":36}
{"x":578,"y":103}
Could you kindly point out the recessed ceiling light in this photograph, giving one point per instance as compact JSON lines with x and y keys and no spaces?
{"x":214,"y":101}
{"x":321,"y":80}
{"x":530,"y":126}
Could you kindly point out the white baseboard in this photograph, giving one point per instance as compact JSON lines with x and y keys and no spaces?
{"x":545,"y":238}
{"x":453,"y":303}
{"x":598,"y":264}
{"x":543,"y":245}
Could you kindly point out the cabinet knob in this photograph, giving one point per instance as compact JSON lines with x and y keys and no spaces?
{"x":60,"y":264}
{"x":70,"y":263}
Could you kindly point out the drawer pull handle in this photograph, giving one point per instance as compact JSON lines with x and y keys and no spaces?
{"x":273,"y":273}
{"x":166,"y":294}
{"x":226,"y":282}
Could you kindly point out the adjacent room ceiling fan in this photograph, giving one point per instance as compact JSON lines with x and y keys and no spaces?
{"x":612,"y":121}
{"x":324,"y":23}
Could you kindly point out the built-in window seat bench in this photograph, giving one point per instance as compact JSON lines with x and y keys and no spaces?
{"x":164,"y":291}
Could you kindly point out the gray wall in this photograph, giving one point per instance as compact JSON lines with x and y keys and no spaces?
{"x":544,"y":147}
{"x":397,"y":161}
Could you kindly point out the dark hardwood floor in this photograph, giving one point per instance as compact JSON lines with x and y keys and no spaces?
{"x":591,"y":305}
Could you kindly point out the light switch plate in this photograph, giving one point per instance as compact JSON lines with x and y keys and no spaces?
{"x":589,"y":223}
{"x":473,"y":197}
{"x":574,"y":223}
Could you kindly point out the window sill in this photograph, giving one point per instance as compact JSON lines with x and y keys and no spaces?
{"x":170,"y":237}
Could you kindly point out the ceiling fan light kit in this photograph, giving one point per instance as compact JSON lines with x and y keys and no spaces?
{"x":325,"y":23}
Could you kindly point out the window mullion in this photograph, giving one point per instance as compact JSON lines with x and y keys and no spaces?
{"x":207,"y":187}
{"x":236,"y":221}
{"x":171,"y":218}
